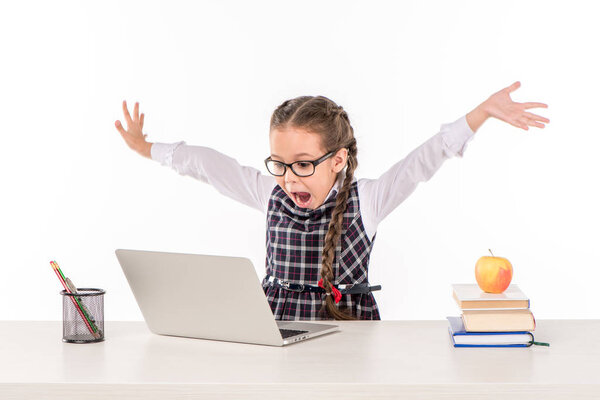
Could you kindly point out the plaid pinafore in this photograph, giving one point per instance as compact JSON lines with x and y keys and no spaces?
{"x":295,"y":239}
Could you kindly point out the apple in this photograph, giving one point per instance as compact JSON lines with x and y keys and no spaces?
{"x":493,"y":273}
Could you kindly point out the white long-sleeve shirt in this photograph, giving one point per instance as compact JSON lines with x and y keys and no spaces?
{"x":377,"y":197}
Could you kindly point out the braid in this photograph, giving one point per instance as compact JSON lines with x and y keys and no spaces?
{"x":333,"y":235}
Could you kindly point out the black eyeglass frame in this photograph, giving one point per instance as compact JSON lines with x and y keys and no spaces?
{"x":291,"y":165}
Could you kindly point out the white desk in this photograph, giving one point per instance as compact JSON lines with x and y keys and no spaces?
{"x":374,"y":359}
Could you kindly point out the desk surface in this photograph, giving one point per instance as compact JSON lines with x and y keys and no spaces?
{"x":368,"y":359}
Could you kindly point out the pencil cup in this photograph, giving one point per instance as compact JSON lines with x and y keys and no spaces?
{"x":83,"y":316}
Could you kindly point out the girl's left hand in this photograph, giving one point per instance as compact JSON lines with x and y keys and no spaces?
{"x":501,"y":106}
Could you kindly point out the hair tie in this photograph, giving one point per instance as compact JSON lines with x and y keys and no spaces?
{"x":337,"y":295}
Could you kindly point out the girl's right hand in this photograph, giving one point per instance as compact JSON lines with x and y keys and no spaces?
{"x":133,"y":136}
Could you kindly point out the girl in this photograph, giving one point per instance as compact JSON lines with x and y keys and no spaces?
{"x":321,"y":220}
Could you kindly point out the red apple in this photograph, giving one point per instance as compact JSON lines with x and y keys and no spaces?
{"x":493,"y":273}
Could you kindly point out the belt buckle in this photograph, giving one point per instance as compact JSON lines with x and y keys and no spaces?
{"x":297,"y":290}
{"x":286,"y":285}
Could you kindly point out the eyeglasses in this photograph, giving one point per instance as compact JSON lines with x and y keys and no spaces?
{"x":302,"y":168}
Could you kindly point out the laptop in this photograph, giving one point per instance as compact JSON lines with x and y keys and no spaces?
{"x":208,"y":297}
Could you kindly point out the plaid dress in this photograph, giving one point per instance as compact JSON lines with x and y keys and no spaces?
{"x":295,"y":239}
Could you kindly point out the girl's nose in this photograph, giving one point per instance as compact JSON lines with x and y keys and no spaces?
{"x":289,"y":175}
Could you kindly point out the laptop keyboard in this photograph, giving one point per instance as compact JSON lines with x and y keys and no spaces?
{"x":286,"y":333}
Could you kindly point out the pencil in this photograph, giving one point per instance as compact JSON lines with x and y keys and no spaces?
{"x":91,"y":326}
{"x":76,"y":301}
{"x":70,"y":288}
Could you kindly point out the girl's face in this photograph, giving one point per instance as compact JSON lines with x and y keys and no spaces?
{"x":296,"y":144}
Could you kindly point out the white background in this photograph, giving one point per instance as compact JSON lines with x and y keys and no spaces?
{"x":212,"y":72}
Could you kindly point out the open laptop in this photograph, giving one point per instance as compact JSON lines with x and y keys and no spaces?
{"x":208,"y":297}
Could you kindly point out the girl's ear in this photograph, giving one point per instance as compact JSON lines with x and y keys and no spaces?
{"x":339,"y":160}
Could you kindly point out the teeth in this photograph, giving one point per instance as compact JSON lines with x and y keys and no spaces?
{"x":299,"y":199}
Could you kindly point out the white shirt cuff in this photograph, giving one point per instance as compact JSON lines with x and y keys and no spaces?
{"x":163,"y":152}
{"x":455,"y":136}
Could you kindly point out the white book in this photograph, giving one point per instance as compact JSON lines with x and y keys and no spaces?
{"x":469,"y":296}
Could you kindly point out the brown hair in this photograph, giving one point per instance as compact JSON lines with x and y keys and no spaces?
{"x":321,"y":115}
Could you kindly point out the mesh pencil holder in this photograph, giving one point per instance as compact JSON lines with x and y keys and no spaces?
{"x":83,"y":316}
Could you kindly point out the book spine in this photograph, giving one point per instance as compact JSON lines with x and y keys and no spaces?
{"x":494,"y":309}
{"x":492,"y":345}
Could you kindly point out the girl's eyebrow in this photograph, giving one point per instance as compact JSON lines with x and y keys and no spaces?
{"x":297,"y":155}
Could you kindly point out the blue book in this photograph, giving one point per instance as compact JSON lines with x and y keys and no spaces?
{"x":462,"y":338}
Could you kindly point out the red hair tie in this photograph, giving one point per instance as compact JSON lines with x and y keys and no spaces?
{"x":337,"y":296}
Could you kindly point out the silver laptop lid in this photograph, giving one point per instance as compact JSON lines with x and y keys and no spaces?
{"x":200,"y":296}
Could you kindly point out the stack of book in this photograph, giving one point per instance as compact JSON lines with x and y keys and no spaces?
{"x":491,"y":320}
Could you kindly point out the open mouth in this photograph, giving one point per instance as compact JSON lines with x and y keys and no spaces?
{"x":302,"y":198}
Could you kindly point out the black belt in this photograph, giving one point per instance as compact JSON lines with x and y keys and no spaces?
{"x":301,"y":287}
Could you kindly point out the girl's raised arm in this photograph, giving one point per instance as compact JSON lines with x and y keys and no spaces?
{"x":244,"y":184}
{"x":383,"y":195}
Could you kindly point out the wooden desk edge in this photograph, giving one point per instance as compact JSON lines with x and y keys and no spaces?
{"x":227,"y":391}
